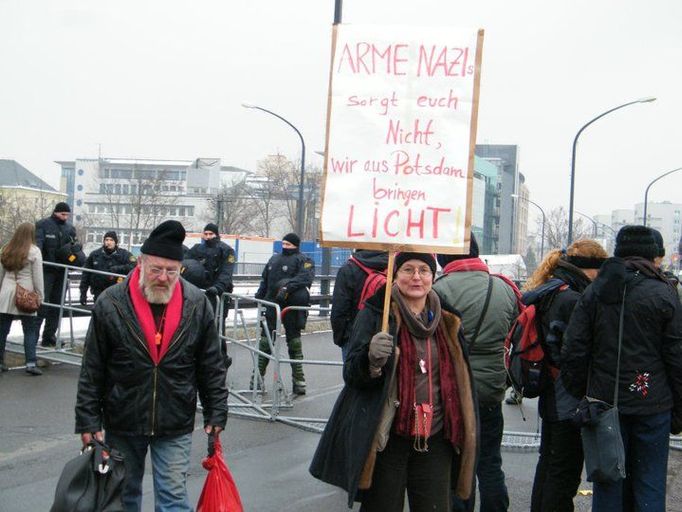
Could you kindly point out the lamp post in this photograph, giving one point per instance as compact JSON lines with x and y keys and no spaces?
{"x":575,"y":144}
{"x":646,"y":192}
{"x":594,"y":222}
{"x":544,"y":219}
{"x":299,"y":206}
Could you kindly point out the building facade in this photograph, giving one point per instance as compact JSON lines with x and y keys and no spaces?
{"x":131,"y":196}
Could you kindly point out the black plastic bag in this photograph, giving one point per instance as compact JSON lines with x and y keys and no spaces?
{"x":91,"y":482}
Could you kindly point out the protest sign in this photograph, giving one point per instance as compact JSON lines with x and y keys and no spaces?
{"x":401,"y":131}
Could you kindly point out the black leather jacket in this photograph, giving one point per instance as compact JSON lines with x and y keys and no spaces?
{"x":121,"y":389}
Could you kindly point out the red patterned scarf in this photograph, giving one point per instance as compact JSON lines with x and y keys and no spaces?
{"x":145,"y":317}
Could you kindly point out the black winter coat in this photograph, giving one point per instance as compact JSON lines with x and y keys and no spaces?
{"x":348,"y":285}
{"x":119,"y":261}
{"x":52,"y":234}
{"x":347,"y":439}
{"x":218,"y":260}
{"x":295,"y":271}
{"x":121,"y":389}
{"x":554,"y":312}
{"x":651,"y":356}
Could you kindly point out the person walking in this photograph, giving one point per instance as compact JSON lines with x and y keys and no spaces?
{"x":56,"y":239}
{"x":286,"y":280}
{"x":559,"y":468}
{"x":349,"y":285}
{"x":649,"y":368}
{"x":489,"y":306}
{"x":405,"y":420}
{"x":22,"y":264}
{"x":108,"y":258}
{"x":152,"y":345}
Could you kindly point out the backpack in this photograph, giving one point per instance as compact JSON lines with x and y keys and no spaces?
{"x":524,"y":356}
{"x":374,"y":280}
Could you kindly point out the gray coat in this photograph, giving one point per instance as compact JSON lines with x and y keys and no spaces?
{"x":30,"y":277}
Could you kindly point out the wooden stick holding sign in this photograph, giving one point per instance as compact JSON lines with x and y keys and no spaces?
{"x":389,"y":286}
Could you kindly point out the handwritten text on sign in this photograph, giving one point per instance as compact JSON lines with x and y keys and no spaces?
{"x":399,"y":136}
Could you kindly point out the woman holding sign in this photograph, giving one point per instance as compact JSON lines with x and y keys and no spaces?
{"x":405,"y":420}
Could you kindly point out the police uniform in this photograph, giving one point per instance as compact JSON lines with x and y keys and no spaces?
{"x":286,"y":280}
{"x":116,"y":261}
{"x":217,"y":259}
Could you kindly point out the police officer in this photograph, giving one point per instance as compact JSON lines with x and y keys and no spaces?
{"x":108,"y":258}
{"x":56,"y":239}
{"x":217,"y":259}
{"x":286,"y":280}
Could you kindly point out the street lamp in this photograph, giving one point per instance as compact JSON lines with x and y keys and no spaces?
{"x":575,"y":143}
{"x":544,"y":218}
{"x":299,"y":206}
{"x":594,"y":222}
{"x":646,"y":192}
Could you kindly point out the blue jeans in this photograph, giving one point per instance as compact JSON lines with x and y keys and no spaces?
{"x":31,"y":327}
{"x":491,"y":486}
{"x":170,"y":463}
{"x":646,"y":441}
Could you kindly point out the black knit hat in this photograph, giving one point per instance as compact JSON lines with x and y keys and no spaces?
{"x":636,"y":241}
{"x":165,"y":241}
{"x":444,"y":259}
{"x":426,"y":257}
{"x":292,"y":238}
{"x":62,"y":207}
{"x":112,"y":235}
{"x":212,"y":227}
{"x":659,"y":241}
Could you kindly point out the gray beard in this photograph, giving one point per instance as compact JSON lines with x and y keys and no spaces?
{"x":154,"y":296}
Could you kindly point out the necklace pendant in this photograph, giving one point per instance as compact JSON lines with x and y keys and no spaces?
{"x":157,"y":338}
{"x":422,"y":365}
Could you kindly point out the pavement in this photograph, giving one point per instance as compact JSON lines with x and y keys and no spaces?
{"x":268,"y":459}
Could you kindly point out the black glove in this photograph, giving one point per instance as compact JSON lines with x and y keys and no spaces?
{"x":212,"y":291}
{"x":282,"y":295}
{"x":380,"y":348}
{"x":84,"y":298}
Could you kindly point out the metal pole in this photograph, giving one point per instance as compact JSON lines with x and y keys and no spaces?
{"x":646,"y":192}
{"x":575,"y":143}
{"x":299,"y":209}
{"x":544,"y":220}
{"x":338,"y":7}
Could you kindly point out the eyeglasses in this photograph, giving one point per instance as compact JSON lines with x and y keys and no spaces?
{"x":158,"y":272}
{"x":422,"y":271}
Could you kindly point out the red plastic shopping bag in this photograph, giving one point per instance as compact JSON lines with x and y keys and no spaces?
{"x":220,"y":493}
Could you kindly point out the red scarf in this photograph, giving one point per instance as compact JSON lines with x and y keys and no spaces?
{"x":146,"y":319}
{"x":452,"y":414}
{"x":476,"y":264}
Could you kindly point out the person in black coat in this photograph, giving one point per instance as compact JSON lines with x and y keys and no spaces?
{"x":368,"y":447}
{"x":650,"y":382}
{"x":559,"y":468}
{"x":348,"y":286}
{"x":286,"y":280}
{"x":53,"y":234}
{"x":108,"y":258}
{"x":217,"y":259}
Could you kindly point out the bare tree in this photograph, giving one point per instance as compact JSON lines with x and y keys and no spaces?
{"x":17,"y":207}
{"x":556,"y":229}
{"x":233,"y":209}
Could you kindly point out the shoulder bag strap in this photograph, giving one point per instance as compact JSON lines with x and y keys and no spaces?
{"x":485,"y":310}
{"x":620,"y":344}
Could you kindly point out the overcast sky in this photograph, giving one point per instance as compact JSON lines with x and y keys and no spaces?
{"x":165,"y":79}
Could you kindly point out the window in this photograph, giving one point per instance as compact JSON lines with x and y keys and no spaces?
{"x":126,"y":190}
{"x":117,"y":189}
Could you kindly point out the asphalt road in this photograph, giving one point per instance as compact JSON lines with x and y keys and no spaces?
{"x":269,"y":460}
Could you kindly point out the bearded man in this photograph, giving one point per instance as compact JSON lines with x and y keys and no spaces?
{"x":151,"y":346}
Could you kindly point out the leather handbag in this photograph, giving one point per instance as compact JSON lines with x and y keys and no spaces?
{"x":600,"y":429}
{"x":91,"y":482}
{"x":26,"y":301}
